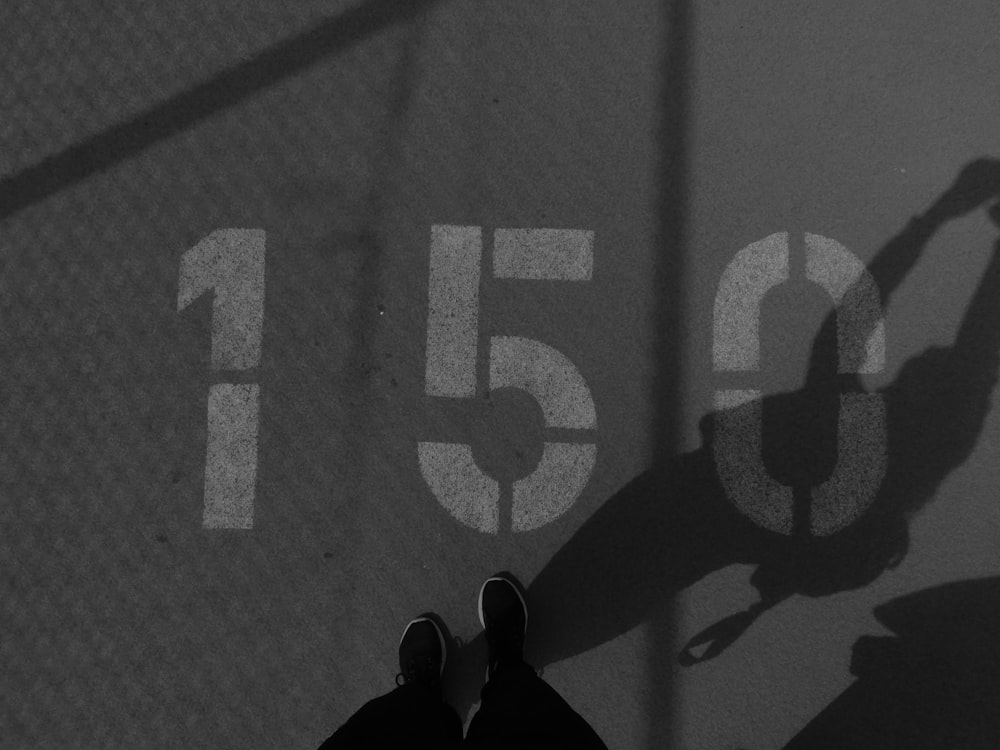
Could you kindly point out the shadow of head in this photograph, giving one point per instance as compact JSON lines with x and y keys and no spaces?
{"x":682,"y":519}
{"x":934,"y":684}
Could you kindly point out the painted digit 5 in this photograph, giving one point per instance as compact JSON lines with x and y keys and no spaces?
{"x":548,"y":376}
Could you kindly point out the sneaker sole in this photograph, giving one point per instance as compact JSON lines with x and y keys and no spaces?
{"x":440,"y":635}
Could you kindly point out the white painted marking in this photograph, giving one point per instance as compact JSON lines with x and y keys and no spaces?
{"x":546,"y":254}
{"x":231,"y":461}
{"x":732,"y":399}
{"x":460,"y":486}
{"x":860,"y":324}
{"x":862,"y":430}
{"x":453,"y":311}
{"x":755,"y":269}
{"x":861,"y":463}
{"x":547,"y":375}
{"x":552,"y":488}
{"x":737,"y":448}
{"x":230,"y":261}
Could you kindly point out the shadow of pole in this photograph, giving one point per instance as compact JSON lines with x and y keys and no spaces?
{"x":668,"y":275}
{"x":183,"y":111}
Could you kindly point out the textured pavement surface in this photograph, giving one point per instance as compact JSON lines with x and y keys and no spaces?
{"x":677,"y":134}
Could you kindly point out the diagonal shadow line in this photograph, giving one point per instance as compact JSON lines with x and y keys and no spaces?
{"x":181,"y":111}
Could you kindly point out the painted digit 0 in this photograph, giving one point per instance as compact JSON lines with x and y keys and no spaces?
{"x":862,"y":430}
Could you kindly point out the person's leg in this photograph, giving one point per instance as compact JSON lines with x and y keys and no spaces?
{"x":518,"y":708}
{"x":413,"y":715}
{"x":406,"y":717}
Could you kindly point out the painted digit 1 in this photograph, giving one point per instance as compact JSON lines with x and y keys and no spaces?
{"x":862,"y":429}
{"x":230,"y":262}
{"x":546,"y":374}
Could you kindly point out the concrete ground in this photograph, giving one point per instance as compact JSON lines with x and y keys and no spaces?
{"x":183,"y":570}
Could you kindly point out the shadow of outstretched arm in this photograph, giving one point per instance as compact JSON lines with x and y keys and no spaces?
{"x":674,"y":524}
{"x":938,"y":403}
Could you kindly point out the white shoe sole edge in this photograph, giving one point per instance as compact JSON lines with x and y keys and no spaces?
{"x":440,"y":635}
{"x":524,"y":604}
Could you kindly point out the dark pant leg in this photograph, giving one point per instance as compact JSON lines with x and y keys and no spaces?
{"x":408,"y":717}
{"x":520,"y":710}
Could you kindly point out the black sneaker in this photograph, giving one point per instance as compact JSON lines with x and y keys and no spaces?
{"x":504,"y":616}
{"x":422,"y":654}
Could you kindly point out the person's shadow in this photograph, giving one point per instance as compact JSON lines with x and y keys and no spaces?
{"x":674,"y":524}
{"x":934,"y":684}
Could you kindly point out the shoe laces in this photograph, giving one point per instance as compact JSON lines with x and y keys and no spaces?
{"x":421,"y":669}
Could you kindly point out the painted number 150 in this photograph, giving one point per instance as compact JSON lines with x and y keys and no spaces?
{"x":230,"y":262}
